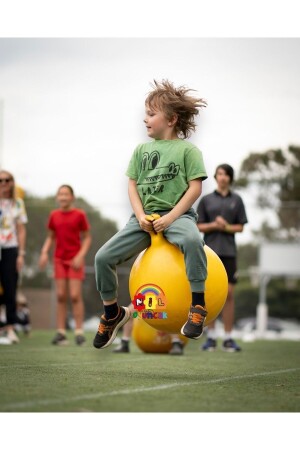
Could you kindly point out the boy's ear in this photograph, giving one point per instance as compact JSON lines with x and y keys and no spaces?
{"x":173,"y":120}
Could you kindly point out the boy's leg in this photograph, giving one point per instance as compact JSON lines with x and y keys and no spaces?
{"x":125,"y":244}
{"x":185,"y":235}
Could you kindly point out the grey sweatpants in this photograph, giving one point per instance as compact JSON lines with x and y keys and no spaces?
{"x":132,"y":240}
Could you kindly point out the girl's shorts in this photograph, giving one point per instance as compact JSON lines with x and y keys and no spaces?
{"x":63,"y":269}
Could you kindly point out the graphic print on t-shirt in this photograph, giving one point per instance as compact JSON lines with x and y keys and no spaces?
{"x":150,"y":162}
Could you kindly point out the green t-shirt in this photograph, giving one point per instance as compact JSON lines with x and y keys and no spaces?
{"x":162,"y":170}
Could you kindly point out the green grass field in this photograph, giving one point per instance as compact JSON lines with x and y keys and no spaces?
{"x":39,"y":377}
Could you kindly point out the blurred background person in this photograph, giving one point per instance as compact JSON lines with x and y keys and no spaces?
{"x":69,"y":231}
{"x":221,"y":214}
{"x":13,"y":218}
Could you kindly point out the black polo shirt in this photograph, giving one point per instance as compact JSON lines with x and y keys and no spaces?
{"x":232,"y":209}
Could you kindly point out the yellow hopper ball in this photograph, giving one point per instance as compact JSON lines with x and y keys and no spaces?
{"x":161,"y":292}
{"x":150,"y":340}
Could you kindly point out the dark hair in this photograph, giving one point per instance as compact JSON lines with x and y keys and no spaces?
{"x":171,"y":101}
{"x":68,"y":187}
{"x":227,"y":169}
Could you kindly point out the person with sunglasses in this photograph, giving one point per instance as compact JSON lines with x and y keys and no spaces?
{"x":13,"y":218}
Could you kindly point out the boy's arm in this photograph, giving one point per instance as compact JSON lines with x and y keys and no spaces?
{"x":137,"y":206}
{"x":185,"y":203}
{"x":220,"y":224}
{"x":45,"y":249}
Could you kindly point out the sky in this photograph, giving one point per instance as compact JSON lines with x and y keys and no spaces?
{"x":73,"y":108}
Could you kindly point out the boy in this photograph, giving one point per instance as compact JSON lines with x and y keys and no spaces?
{"x":165,"y":177}
{"x":221,"y":214}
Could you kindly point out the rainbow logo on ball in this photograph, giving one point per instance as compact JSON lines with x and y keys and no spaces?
{"x":150,"y":302}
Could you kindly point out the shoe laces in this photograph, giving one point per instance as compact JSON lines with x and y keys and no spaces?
{"x":196,"y":317}
{"x":103,"y":328}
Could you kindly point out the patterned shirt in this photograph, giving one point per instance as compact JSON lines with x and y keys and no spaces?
{"x":12,"y":212}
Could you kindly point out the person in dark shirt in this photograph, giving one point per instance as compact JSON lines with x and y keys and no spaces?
{"x":221,"y":214}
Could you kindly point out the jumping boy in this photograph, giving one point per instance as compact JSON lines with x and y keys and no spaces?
{"x":165,"y":177}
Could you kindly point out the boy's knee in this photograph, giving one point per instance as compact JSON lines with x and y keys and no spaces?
{"x":193,"y":242}
{"x":101,"y":258}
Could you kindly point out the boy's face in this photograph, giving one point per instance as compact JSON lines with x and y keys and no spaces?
{"x":222,"y":179}
{"x":158,"y":126}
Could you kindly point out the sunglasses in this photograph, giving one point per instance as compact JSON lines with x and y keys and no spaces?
{"x":5,"y":180}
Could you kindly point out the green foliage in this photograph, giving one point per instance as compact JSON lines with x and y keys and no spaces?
{"x":276,"y":176}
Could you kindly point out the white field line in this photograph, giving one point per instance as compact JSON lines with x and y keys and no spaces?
{"x":140,"y":390}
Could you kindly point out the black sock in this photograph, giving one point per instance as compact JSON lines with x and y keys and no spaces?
{"x":110,"y":311}
{"x":198,"y":299}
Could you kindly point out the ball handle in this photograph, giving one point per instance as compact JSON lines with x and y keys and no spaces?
{"x":156,"y":238}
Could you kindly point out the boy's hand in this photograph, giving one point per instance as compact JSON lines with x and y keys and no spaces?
{"x":221,"y":223}
{"x":145,"y":224}
{"x":162,"y":223}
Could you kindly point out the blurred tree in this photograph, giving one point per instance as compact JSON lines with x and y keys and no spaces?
{"x":274,"y":177}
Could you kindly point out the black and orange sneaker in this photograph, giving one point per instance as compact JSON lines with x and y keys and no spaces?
{"x":108,"y":329}
{"x":193,"y":327}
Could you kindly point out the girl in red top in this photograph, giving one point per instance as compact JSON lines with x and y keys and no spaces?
{"x":69,"y":230}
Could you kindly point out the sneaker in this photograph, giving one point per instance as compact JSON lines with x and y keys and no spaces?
{"x":176,"y":349}
{"x":11,"y":335}
{"x":123,"y":347}
{"x":231,"y":346}
{"x":79,"y":339}
{"x":193,"y":328}
{"x":108,"y":329}
{"x":210,"y":345}
{"x":59,"y":339}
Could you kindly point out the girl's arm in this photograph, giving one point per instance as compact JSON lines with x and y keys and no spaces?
{"x":86,"y":241}
{"x":45,"y":249}
{"x":185,"y":203}
{"x":21,"y":236}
